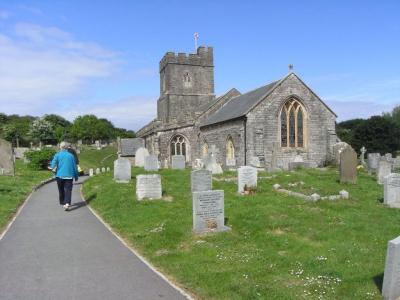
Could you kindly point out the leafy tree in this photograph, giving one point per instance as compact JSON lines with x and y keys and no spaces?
{"x":61,"y":127}
{"x":345,"y":129}
{"x":123,"y":133}
{"x":377,"y":134}
{"x":42,"y":130}
{"x":396,"y":115}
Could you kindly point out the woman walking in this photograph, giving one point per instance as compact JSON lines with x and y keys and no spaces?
{"x":64,"y":165}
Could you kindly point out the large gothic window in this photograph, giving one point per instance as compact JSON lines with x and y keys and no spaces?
{"x":292,"y":120}
{"x":178,"y":145}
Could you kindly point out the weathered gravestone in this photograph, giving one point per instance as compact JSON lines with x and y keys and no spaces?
{"x":148,"y":187}
{"x":91,"y":173}
{"x":208,"y":211}
{"x":362,"y":155}
{"x":337,"y":149}
{"x":122,"y":170}
{"x":373,"y":161}
{"x":348,"y":165}
{"x":178,"y":162}
{"x":108,"y":169}
{"x":6,"y":158}
{"x":388,"y":156}
{"x":392,"y":190}
{"x":103,"y":170}
{"x":201,"y":180}
{"x":384,"y":169}
{"x":391,"y":278}
{"x":128,"y":147}
{"x":97,"y":171}
{"x":151,"y":163}
{"x":247,"y":178}
{"x":140,"y":155}
{"x":396,"y":163}
{"x":20,"y":152}
{"x":212,"y":165}
{"x":98,"y":145}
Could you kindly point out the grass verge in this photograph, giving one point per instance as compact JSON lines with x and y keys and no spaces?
{"x":280,"y":247}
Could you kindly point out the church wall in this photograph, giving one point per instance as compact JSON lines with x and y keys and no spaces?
{"x":218,"y":135}
{"x":263,"y":127}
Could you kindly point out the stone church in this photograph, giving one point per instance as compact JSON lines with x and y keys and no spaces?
{"x":269,"y":126}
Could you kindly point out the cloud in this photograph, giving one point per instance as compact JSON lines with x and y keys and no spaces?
{"x":131,"y":113}
{"x":31,"y":9}
{"x":40,"y":65}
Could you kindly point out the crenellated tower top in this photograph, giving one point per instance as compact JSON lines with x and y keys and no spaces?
{"x":203,"y":57}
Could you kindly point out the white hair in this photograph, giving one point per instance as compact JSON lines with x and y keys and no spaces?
{"x":64,"y":145}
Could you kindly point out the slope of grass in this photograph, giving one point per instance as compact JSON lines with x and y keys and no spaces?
{"x":14,"y":190}
{"x":280,"y":247}
{"x":93,"y":158}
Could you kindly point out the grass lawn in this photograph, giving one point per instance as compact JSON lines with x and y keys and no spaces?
{"x":93,"y":158}
{"x":280,"y":247}
{"x":14,"y":190}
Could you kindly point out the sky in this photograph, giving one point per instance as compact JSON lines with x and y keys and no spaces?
{"x":98,"y":57}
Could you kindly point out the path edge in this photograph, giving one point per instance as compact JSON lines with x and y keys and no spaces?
{"x":21,"y":207}
{"x":135,"y":252}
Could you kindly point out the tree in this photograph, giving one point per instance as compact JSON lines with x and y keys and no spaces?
{"x":61,"y":127}
{"x":377,"y":134}
{"x":345,"y":129}
{"x":42,"y":130}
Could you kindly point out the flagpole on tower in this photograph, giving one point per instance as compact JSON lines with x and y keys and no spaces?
{"x":196,"y":37}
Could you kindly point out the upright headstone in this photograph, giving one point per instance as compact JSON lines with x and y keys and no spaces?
{"x":384,"y":169}
{"x":373,"y":161}
{"x":247,"y":177}
{"x":337,"y":149}
{"x":20,"y":152}
{"x":97,"y":171}
{"x":178,"y":162}
{"x":151,"y":163}
{"x":212,"y":165}
{"x":98,"y":145}
{"x":348,"y":165}
{"x":198,"y":164}
{"x":208,"y":211}
{"x":201,"y":180}
{"x":391,"y":278}
{"x":129,"y":146}
{"x":91,"y":173}
{"x":396,"y":163}
{"x":6,"y":158}
{"x":103,"y":170}
{"x":392,"y":190}
{"x":362,"y":155}
{"x":108,"y":169}
{"x":148,"y":187}
{"x":122,"y":170}
{"x":140,"y":155}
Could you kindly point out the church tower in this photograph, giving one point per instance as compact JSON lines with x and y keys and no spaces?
{"x":186,"y":86}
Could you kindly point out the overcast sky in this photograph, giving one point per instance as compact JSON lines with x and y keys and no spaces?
{"x":101,"y":57}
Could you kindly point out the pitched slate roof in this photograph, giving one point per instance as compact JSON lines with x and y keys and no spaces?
{"x":239,"y":106}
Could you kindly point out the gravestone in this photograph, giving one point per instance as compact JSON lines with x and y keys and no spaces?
{"x":20,"y":152}
{"x":140,"y":155}
{"x":396,"y":163}
{"x":201,"y":180}
{"x":391,"y":190}
{"x":91,"y":173}
{"x":384,"y":169}
{"x":373,"y":161}
{"x":178,"y":162}
{"x":247,"y":176}
{"x":103,"y":170}
{"x":6,"y":158}
{"x":388,"y":156}
{"x":337,"y":149}
{"x":151,"y":163}
{"x":198,"y":164}
{"x":97,"y":171}
{"x":231,"y":162}
{"x":391,"y":278}
{"x":129,"y":146}
{"x":212,"y":165}
{"x":97,"y":144}
{"x":108,"y":169}
{"x":348,"y":165}
{"x":148,"y":187}
{"x":362,"y":155}
{"x":165,"y":164}
{"x":208,"y":211}
{"x":122,"y":170}
{"x":255,"y":161}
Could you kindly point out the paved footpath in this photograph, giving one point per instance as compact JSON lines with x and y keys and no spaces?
{"x":52,"y":254}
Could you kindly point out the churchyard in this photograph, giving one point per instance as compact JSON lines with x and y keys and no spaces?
{"x":278,"y":246}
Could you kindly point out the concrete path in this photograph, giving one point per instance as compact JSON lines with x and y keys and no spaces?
{"x":52,"y":254}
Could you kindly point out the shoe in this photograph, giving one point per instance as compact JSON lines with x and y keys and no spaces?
{"x":66,"y":207}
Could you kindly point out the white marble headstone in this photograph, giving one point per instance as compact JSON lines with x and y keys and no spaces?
{"x":148,"y":187}
{"x":97,"y":171}
{"x":392,"y":190}
{"x":151,"y":163}
{"x":247,"y":176}
{"x":384,"y":169}
{"x":140,"y":155}
{"x":391,"y":278}
{"x":122,"y":170}
{"x":91,"y":172}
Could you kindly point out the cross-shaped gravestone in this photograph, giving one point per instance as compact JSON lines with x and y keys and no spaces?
{"x":363,"y":150}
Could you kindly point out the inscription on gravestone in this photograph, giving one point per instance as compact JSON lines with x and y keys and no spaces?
{"x":201,"y":180}
{"x":391,"y":279}
{"x":247,"y":176}
{"x":208,"y":211}
{"x":148,"y":187}
{"x":151,"y":163}
{"x":392,"y":190}
{"x":178,"y":162}
{"x":122,"y":170}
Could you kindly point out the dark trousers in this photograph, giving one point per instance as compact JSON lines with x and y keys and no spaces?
{"x":64,"y":190}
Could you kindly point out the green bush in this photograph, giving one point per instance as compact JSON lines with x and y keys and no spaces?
{"x":39,"y":160}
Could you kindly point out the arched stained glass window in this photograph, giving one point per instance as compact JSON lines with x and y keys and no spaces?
{"x":292,"y":122}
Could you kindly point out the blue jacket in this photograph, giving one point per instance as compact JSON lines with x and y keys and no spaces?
{"x":65,"y":164}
